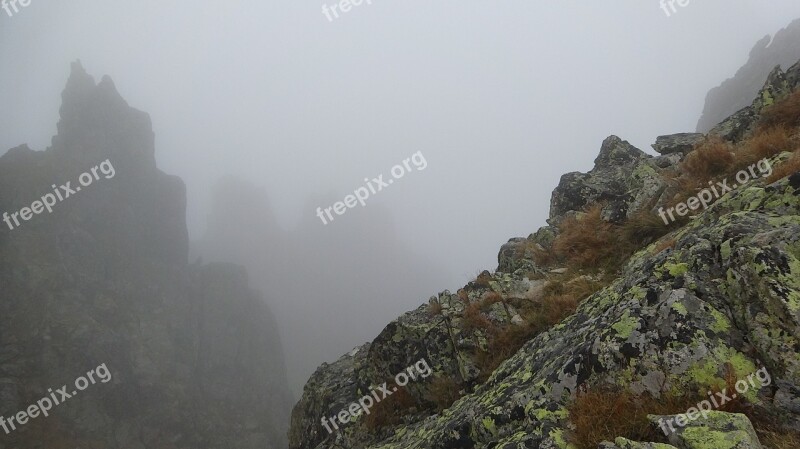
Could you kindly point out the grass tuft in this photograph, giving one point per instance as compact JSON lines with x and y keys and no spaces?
{"x":710,"y":159}
{"x":765,"y":143}
{"x":391,"y":410}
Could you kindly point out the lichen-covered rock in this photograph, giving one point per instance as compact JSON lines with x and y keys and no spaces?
{"x":515,"y":255}
{"x":438,"y":332}
{"x":624,"y":179}
{"x":682,"y":143}
{"x":330,"y":389}
{"x":672,"y":322}
{"x":519,"y":253}
{"x":722,"y":299}
{"x":609,"y":181}
{"x":715,"y":430}
{"x":624,"y":443}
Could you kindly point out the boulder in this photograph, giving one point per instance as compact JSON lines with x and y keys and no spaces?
{"x":682,"y":143}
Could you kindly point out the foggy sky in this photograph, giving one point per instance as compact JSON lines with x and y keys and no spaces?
{"x":502,"y":98}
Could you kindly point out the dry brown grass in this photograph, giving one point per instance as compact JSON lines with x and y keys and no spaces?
{"x":483,"y":279}
{"x":391,"y":410}
{"x":557,"y":301}
{"x":785,"y":113}
{"x":434,"y":308}
{"x":712,"y":158}
{"x":775,"y":438}
{"x":787,"y":168}
{"x":491,"y":298}
{"x":560,"y":300}
{"x":443,"y":392}
{"x":765,"y":143}
{"x":717,"y":159}
{"x":586,"y":241}
{"x":474,"y":319}
{"x":603,"y":414}
{"x":643,"y":228}
{"x":583,"y":287}
{"x":544,"y":258}
{"x":682,"y":187}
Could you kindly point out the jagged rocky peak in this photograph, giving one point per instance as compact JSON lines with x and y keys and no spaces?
{"x":88,"y":106}
{"x":193,"y":351}
{"x":148,"y":206}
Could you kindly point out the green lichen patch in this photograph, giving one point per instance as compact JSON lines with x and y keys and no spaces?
{"x":626,"y":325}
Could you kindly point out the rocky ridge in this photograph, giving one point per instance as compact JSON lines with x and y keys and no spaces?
{"x":717,"y":296}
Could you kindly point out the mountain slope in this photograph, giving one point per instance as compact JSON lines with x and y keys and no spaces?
{"x":609,"y":314}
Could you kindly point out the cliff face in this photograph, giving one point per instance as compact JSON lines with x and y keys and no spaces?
{"x":693,"y":305}
{"x":194,"y":356}
{"x":735,"y":93}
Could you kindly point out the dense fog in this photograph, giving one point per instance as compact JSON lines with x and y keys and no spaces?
{"x":273,"y":112}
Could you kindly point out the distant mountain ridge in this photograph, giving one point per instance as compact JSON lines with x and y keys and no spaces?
{"x":737,"y":92}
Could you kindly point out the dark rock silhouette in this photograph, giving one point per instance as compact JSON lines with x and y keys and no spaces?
{"x":193,"y":351}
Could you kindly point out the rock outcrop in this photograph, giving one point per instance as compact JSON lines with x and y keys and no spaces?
{"x":193,"y":351}
{"x":782,"y":50}
{"x":717,"y":296}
